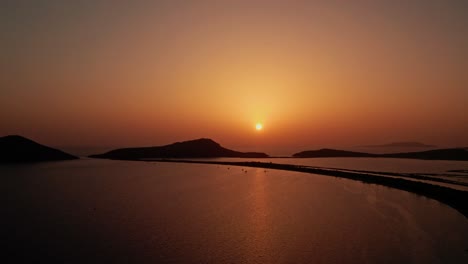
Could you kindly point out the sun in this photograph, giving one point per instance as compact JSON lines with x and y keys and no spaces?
{"x":258,"y":126}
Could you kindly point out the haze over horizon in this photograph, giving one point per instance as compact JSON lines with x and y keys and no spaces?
{"x":322,"y":74}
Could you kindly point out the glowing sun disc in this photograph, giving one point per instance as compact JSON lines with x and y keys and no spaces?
{"x":258,"y":126}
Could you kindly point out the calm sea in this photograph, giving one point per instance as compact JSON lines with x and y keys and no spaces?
{"x":99,"y":211}
{"x":456,"y":171}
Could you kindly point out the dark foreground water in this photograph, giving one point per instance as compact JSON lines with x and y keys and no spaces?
{"x":95,"y":211}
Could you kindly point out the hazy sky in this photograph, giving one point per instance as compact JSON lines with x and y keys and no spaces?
{"x":315,"y":73}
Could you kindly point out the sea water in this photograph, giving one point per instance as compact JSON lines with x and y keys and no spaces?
{"x":95,"y":211}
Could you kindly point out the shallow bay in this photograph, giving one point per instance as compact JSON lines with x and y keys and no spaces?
{"x":123,"y":211}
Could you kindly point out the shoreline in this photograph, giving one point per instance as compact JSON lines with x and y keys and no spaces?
{"x":448,"y":196}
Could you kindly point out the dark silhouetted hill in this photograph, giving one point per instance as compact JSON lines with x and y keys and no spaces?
{"x":19,"y":149}
{"x":199,"y":148}
{"x":330,"y":153}
{"x":436,"y":154}
{"x":408,"y":144}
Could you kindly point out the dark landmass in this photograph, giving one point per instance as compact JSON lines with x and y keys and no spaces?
{"x":20,"y":149}
{"x":451,"y":197}
{"x":408,"y":144}
{"x":459,"y":171}
{"x":199,"y":148}
{"x":436,"y":154}
{"x":330,"y":153}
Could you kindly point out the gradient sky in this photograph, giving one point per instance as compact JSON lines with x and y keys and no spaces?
{"x":315,"y":73}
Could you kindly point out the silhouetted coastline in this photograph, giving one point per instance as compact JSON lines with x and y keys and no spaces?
{"x":207,"y":148}
{"x":17,"y":149}
{"x":331,"y":153}
{"x":404,"y":144}
{"x":460,"y":154}
{"x":199,"y":148}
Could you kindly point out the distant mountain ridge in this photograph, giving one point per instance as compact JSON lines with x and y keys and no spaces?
{"x":331,"y":153}
{"x":403,"y":144}
{"x":436,"y":154}
{"x":16,"y":148}
{"x":198,"y":148}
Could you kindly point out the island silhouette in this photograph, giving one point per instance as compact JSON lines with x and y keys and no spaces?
{"x":208,"y":148}
{"x":403,"y":144}
{"x":198,"y":148}
{"x":14,"y":148}
{"x":330,"y":153}
{"x":435,"y":154}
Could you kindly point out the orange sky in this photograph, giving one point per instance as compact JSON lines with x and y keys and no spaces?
{"x":321,"y":74}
